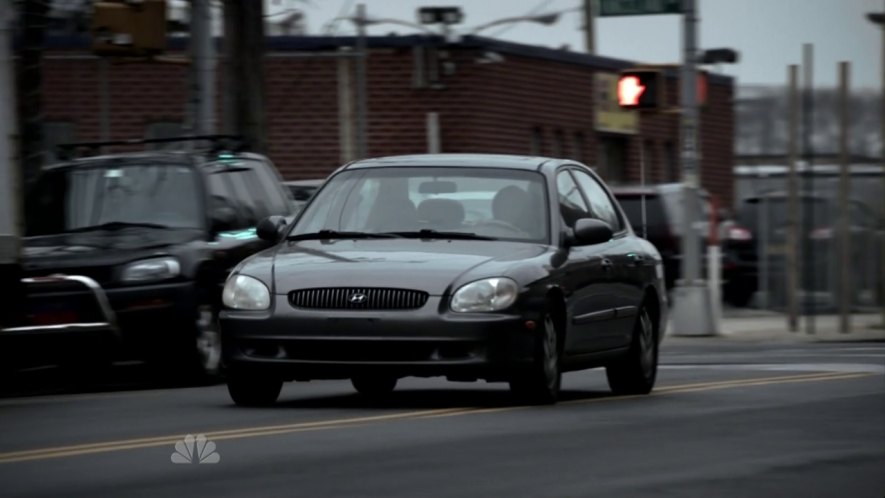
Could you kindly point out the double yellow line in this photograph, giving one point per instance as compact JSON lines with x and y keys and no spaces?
{"x":270,"y":430}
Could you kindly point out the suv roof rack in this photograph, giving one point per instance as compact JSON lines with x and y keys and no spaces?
{"x":218,"y":143}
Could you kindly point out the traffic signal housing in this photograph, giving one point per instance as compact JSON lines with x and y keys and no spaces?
{"x":129,"y":27}
{"x":641,"y":89}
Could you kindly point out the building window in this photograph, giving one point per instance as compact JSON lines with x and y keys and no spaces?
{"x":558,"y":144}
{"x":55,"y":134}
{"x":163,"y":129}
{"x":537,"y":144}
{"x":648,"y":161}
{"x":578,"y":142}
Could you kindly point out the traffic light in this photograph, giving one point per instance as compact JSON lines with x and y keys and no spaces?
{"x":129,"y":27}
{"x":641,"y":89}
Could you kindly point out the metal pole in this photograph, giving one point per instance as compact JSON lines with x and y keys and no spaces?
{"x":763,"y":215}
{"x":882,"y":138}
{"x":589,"y":27}
{"x":203,"y":68}
{"x":361,"y":83}
{"x":11,"y":178}
{"x":104,"y":100}
{"x":346,"y":142}
{"x":693,"y":313}
{"x":642,"y":190}
{"x":433,"y":133}
{"x":810,"y":273}
{"x":846,"y":265}
{"x":793,"y":202}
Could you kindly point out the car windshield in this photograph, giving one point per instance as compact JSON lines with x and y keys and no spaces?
{"x":114,"y":195}
{"x":485,"y":202}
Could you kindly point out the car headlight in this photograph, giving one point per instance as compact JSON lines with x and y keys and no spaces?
{"x":245,"y":293}
{"x":151,"y":270}
{"x":490,"y":294}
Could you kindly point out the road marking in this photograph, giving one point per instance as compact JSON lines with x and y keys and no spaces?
{"x":152,"y":442}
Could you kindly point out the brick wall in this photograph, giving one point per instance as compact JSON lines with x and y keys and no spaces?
{"x":483,"y":107}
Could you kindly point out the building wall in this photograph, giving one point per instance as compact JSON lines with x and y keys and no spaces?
{"x":522,"y":104}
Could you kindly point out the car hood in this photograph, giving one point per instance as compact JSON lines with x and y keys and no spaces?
{"x":428,"y":265}
{"x":100,"y":247}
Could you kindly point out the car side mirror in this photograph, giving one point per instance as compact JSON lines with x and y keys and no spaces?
{"x":589,"y":231}
{"x":269,"y":228}
{"x":222,"y":219}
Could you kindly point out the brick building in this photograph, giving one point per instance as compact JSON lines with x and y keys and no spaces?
{"x":486,"y":96}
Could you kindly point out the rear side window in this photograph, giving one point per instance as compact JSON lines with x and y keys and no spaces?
{"x":249,"y":187}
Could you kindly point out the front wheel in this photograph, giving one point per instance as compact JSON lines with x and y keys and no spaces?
{"x":539,"y":384}
{"x":253,"y":390}
{"x":635,"y":373}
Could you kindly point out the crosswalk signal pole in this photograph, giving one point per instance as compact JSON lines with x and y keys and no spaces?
{"x":693,"y":311}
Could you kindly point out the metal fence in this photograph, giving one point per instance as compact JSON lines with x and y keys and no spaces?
{"x":761,"y":204}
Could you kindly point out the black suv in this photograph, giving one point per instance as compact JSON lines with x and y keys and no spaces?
{"x":663,"y":221}
{"x":158,"y":232}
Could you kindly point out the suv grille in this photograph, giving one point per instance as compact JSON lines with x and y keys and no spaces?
{"x":355,"y":298}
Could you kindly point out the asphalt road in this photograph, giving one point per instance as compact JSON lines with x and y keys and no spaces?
{"x":727,"y":419}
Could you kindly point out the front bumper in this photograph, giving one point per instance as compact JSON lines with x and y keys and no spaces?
{"x":430,"y":341}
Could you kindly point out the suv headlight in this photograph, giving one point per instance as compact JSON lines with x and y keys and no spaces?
{"x":490,"y":294}
{"x":245,"y":293}
{"x":151,"y":270}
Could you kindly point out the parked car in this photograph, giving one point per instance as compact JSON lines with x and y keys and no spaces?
{"x":383,"y":275}
{"x":157,"y":232}
{"x":663,"y":221}
{"x":767,"y":215}
{"x":302,"y":191}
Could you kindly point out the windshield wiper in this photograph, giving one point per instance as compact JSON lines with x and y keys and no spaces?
{"x":429,"y":233}
{"x":335,"y":234}
{"x":115,"y":225}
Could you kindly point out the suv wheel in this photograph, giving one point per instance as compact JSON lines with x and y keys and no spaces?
{"x":635,"y":373}
{"x":208,"y":341}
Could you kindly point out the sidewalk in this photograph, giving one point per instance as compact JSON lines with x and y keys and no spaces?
{"x":764,"y":326}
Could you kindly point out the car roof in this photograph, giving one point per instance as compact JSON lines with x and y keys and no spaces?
{"x":179,"y":157}
{"x":507,"y":161}
{"x":654,"y":189}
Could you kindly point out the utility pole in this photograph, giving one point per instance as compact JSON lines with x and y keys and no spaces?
{"x":589,"y":26}
{"x":809,"y":274}
{"x":202,"y":112}
{"x":244,"y":48}
{"x":844,"y":234}
{"x":693,"y":312}
{"x":362,"y":90}
{"x":793,"y":202}
{"x":10,"y":180}
{"x":30,"y":81}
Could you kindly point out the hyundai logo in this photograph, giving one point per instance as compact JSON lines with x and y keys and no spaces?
{"x":357,"y":298}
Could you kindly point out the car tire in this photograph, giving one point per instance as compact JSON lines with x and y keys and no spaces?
{"x":254,"y":390}
{"x":374,"y":386}
{"x":539,"y":383}
{"x":635,"y":373}
{"x":195,"y":355}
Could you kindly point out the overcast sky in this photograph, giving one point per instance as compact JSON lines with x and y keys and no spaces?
{"x":768,"y":33}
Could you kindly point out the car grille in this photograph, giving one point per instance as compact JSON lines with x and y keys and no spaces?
{"x":355,"y":298}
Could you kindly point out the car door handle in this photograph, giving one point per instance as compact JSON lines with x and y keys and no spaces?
{"x":606,"y":264}
{"x":635,"y":259}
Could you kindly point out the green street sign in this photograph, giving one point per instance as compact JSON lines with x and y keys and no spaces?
{"x":638,"y":7}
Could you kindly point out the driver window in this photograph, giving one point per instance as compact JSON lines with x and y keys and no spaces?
{"x":571,"y":202}
{"x":600,"y":204}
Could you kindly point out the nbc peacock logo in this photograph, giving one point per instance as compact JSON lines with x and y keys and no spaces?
{"x":195,"y":449}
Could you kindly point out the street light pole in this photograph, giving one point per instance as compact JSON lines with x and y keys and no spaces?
{"x":693,"y":313}
{"x":361,"y":83}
